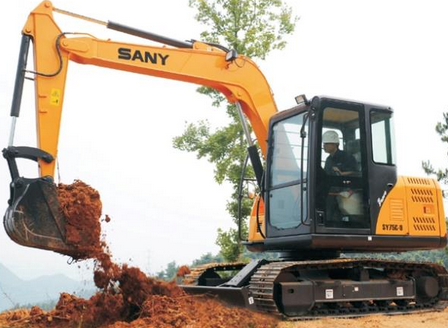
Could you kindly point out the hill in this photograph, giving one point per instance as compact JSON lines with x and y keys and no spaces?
{"x":15,"y":291}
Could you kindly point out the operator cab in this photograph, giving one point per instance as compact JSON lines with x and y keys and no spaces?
{"x":315,"y":193}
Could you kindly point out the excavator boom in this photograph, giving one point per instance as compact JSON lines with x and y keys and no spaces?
{"x":33,"y":217}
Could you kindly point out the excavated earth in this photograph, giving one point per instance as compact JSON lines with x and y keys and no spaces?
{"x":127,"y":298}
{"x":81,"y":206}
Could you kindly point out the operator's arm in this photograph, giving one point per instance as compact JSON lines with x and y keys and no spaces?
{"x":345,"y":164}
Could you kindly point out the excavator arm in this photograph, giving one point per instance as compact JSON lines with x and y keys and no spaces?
{"x":238,"y":78}
{"x":33,"y":217}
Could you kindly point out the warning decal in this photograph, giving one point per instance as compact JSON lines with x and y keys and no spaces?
{"x":55,"y":97}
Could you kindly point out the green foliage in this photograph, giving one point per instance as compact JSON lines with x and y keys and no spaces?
{"x":46,"y":306}
{"x":169,"y":273}
{"x":253,"y":28}
{"x":231,"y":249}
{"x":249,"y":256}
{"x":207,"y":258}
{"x":225,"y":148}
{"x":439,"y":256}
{"x":442,"y":173}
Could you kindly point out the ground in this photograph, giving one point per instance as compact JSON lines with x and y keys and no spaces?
{"x":418,"y":320}
{"x":435,"y":319}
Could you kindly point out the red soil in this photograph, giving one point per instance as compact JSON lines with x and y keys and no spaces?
{"x":81,"y":206}
{"x":127,"y":297}
{"x":182,"y":271}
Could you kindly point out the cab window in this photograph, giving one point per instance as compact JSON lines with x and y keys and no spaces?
{"x":383,"y":149}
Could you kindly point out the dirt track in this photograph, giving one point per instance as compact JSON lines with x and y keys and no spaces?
{"x":418,"y":320}
{"x":233,"y":318}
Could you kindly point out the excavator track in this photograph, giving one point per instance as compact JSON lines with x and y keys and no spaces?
{"x":264,"y":288}
{"x":201,"y":272}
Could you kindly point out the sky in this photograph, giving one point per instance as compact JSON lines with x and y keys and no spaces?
{"x":117,"y":127}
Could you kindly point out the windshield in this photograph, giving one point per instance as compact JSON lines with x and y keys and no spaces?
{"x":286,"y":160}
{"x":287,"y":194}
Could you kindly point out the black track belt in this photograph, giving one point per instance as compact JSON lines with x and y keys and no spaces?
{"x":263,"y":283}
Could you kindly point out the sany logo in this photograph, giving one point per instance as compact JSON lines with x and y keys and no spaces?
{"x":381,"y":200}
{"x":144,"y":57}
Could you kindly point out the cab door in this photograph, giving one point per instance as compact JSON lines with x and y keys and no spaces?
{"x":286,"y":186}
{"x":341,"y":199}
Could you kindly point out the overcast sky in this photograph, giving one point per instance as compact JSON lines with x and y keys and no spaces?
{"x":117,"y":127}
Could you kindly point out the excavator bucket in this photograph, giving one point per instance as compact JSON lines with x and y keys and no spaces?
{"x":34,"y":217}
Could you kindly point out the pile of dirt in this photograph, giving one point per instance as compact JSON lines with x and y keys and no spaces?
{"x":183,"y":271}
{"x":81,"y":206}
{"x":131,"y":299}
{"x":126,"y":297}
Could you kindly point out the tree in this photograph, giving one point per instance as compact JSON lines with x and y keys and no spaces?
{"x":207,"y":258}
{"x":169,"y":273}
{"x":441,"y":173}
{"x":253,"y":28}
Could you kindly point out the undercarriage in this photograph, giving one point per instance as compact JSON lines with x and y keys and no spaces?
{"x":321,"y":288}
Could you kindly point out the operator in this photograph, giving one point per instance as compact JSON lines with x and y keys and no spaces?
{"x":338,"y":162}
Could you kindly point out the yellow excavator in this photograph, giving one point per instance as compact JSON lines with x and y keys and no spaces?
{"x":308,"y":209}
